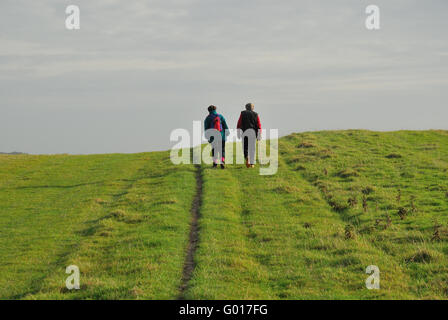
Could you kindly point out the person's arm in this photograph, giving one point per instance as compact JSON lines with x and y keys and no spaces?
{"x":238,"y":126}
{"x":206,"y":127}
{"x":224,"y":126}
{"x":259,"y":127}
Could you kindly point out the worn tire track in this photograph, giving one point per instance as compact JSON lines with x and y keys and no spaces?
{"x":193,"y":242}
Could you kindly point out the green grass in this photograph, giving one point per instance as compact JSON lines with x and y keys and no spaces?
{"x":124,"y":220}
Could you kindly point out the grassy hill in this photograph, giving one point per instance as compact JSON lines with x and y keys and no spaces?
{"x":341,"y":201}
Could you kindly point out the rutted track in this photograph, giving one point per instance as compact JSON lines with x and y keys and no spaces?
{"x":193,"y":242}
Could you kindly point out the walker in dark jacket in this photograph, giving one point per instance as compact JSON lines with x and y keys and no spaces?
{"x":249,"y":120}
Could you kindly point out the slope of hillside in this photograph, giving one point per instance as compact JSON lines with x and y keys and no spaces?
{"x":341,"y":201}
{"x":332,"y":210}
{"x":122,"y":219}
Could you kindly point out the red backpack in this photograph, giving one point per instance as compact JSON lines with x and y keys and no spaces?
{"x":217,"y":123}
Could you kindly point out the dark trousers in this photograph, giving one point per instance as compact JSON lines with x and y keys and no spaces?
{"x":249,"y":149}
{"x":219,"y":153}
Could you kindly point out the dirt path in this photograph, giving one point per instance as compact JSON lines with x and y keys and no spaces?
{"x":189,"y":263}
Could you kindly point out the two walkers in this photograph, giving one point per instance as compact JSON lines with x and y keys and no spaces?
{"x":249,"y":129}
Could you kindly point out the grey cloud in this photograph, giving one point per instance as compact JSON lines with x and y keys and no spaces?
{"x":147,"y":67}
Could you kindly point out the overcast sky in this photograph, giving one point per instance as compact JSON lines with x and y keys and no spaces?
{"x":139,"y":69}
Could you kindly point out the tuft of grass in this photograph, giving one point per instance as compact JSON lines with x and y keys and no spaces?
{"x":436,"y":234}
{"x":118,"y":214}
{"x":421,"y":256}
{"x":388,"y":221}
{"x":393,"y":156}
{"x":338,"y":205}
{"x":402,"y":213}
{"x":348,"y":173}
{"x":105,"y":233}
{"x":349,"y":232}
{"x":368,"y":190}
{"x":364,"y":204}
{"x":352,"y":202}
{"x":286,"y":189}
{"x":100,"y":201}
{"x":306,"y":144}
{"x":413,"y":205}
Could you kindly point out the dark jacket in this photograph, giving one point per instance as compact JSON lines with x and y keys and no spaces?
{"x":249,"y":120}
